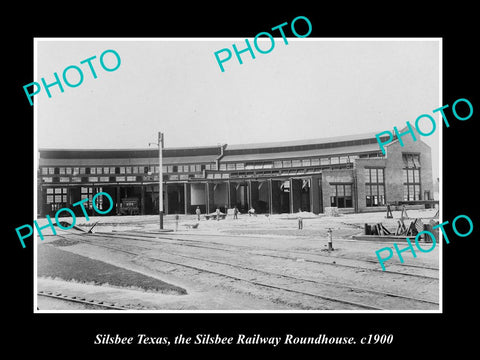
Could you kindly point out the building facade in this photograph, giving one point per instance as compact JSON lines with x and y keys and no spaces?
{"x":348,"y":172}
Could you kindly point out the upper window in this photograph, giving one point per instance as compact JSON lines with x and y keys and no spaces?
{"x":411,"y":160}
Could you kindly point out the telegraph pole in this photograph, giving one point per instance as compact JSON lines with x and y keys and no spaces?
{"x":160,"y":178}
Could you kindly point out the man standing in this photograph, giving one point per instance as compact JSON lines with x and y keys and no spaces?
{"x":235,"y":213}
{"x":218,"y":213}
{"x":300,"y":219}
{"x":198,"y":212}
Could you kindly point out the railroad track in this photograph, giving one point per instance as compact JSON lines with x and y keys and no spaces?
{"x":317,"y":258}
{"x":154,"y":234}
{"x":80,"y":300}
{"x":268,"y":277}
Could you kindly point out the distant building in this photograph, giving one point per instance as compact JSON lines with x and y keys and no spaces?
{"x":348,"y":172}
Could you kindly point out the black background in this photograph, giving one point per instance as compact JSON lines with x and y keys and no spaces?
{"x":68,"y":334}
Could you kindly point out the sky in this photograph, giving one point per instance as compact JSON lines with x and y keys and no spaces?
{"x":310,"y":88}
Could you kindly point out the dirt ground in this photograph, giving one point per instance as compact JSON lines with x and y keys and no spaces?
{"x":253,"y":263}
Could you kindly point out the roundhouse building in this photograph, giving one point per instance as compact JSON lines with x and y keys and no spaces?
{"x":347,"y":172}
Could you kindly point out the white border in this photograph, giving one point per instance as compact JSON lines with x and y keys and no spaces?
{"x":35,"y":167}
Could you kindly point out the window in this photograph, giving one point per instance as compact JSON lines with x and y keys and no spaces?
{"x":99,"y":199}
{"x":249,"y":166}
{"x":192,"y":168}
{"x":198,"y":168}
{"x":325,"y":161}
{"x":341,"y":195}
{"x":128,"y":169}
{"x":343,"y":159}
{"x":106,"y":170}
{"x":374,"y":187}
{"x":287,"y":164}
{"x":62,"y":171}
{"x":87,"y":193}
{"x":296,"y":163}
{"x":122,"y":170}
{"x":268,"y":165}
{"x":411,"y":185}
{"x":411,"y":160}
{"x":44,"y":171}
{"x":334,"y":160}
{"x":223,"y":167}
{"x":315,"y":162}
{"x":411,"y":177}
{"x":57,"y":197}
{"x":277,"y":164}
{"x":306,"y":162}
{"x":240,"y":166}
{"x":82,"y":171}
{"x":231,"y":166}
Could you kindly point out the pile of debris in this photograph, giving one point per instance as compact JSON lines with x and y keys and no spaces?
{"x":380,"y":232}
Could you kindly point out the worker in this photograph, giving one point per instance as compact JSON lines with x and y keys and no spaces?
{"x":177,"y":217}
{"x":198,"y":212}
{"x":235,"y":213}
{"x":251,"y":211}
{"x":300,"y":220}
{"x":218,"y":213}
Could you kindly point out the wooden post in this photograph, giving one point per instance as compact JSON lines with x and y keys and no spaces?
{"x":142,"y":204}
{"x":185,"y":197}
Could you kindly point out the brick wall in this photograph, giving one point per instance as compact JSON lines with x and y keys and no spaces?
{"x":396,"y":165}
{"x":393,"y":165}
{"x":335,"y":176}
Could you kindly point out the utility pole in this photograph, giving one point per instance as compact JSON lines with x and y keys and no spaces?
{"x":160,"y":177}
